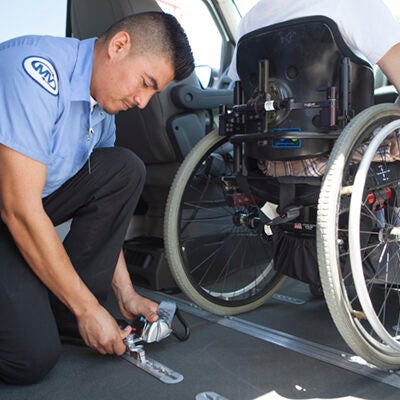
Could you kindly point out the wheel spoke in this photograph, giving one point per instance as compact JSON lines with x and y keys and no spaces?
{"x":363,"y":288}
{"x":218,"y":256}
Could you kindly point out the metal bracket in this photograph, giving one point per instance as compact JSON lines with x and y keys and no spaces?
{"x":209,"y":396}
{"x":135,"y":354}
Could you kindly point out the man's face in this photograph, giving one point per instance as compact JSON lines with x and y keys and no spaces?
{"x":127,"y":80}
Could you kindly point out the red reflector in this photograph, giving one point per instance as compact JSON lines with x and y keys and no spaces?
{"x":371,"y":198}
{"x":241,"y":199}
{"x":380,"y":195}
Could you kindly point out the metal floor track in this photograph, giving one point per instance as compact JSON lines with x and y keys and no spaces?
{"x":317,"y":351}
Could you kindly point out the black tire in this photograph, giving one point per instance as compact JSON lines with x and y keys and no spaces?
{"x":360,"y":293}
{"x":220,"y":263}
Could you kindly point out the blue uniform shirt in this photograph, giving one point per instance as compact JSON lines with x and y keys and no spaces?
{"x":45,"y":110}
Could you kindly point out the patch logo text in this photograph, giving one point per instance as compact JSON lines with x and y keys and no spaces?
{"x":43,"y":72}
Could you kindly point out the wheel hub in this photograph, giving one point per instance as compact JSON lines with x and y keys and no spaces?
{"x":389,"y":234}
{"x":248,"y":220}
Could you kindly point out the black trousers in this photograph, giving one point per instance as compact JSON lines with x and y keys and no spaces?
{"x":100,"y":201}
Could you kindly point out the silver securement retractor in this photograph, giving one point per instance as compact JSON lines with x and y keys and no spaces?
{"x":150,"y":332}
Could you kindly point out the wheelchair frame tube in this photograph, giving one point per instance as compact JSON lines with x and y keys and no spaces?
{"x":263,"y":76}
{"x":238,"y":157}
{"x":346,"y":87}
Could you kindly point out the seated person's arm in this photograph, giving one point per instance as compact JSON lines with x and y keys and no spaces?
{"x":21,"y":184}
{"x":390,"y":65}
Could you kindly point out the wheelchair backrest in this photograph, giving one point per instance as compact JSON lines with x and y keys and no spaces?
{"x":305,"y":57}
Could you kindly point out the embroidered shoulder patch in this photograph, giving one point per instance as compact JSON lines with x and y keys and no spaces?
{"x":42,"y":72}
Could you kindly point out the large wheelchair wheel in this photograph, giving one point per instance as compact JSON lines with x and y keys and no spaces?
{"x":215,"y":244}
{"x":358,"y":235}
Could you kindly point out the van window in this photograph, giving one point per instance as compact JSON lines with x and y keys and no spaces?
{"x":244,"y":5}
{"x":26,"y":17}
{"x":394,"y":6}
{"x":200,"y":27}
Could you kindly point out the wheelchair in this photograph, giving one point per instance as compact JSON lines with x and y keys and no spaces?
{"x":302,"y":94}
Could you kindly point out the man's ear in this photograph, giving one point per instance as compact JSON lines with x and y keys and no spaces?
{"x":119,"y":45}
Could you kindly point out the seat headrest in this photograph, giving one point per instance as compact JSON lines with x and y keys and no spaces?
{"x":90,"y":18}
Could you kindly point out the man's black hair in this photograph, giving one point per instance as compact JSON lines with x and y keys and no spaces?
{"x":158,"y":33}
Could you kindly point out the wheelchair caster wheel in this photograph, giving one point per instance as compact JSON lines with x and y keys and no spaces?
{"x":316,"y":291}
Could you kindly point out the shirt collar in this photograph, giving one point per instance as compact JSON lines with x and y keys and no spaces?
{"x":82,"y":73}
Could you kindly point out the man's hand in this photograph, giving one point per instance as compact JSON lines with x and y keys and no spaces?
{"x":134,"y":305}
{"x":100,"y":331}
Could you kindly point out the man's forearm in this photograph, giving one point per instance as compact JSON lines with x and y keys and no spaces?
{"x":131,"y":304}
{"x":122,"y":284}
